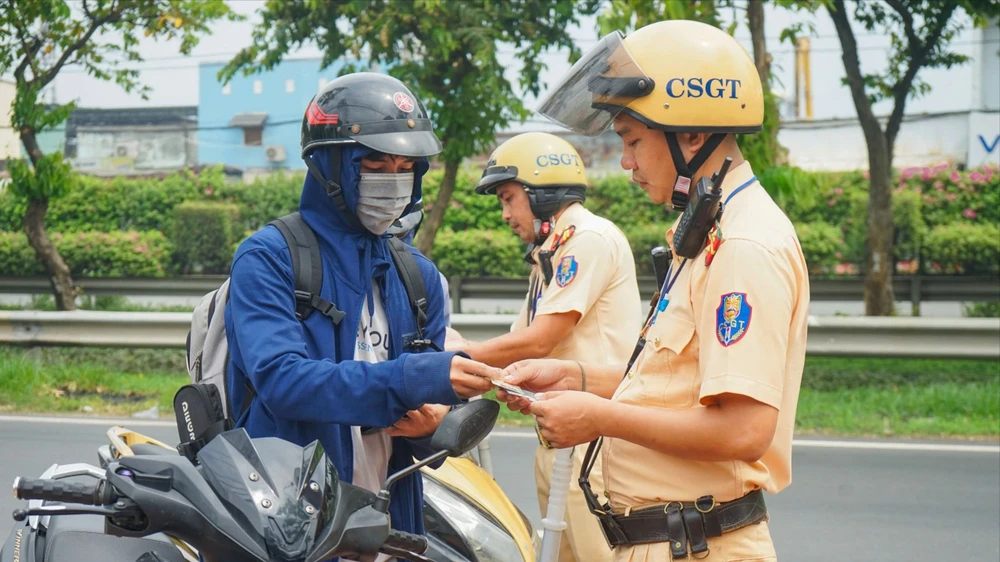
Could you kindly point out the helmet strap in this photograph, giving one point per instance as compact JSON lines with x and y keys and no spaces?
{"x":543,"y":228}
{"x":333,"y":189}
{"x":686,"y":170}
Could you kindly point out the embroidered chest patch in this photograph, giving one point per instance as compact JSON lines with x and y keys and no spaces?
{"x":732,"y":318}
{"x":567,"y":271}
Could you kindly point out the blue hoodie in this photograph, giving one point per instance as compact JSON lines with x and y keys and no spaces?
{"x":309,"y":387}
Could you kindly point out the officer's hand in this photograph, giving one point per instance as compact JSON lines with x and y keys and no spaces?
{"x":567,"y":418}
{"x":419,"y":423}
{"x":471,"y":378}
{"x":453,"y":341}
{"x":536,"y":375}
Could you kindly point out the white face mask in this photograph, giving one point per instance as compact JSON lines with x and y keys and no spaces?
{"x":382,"y":199}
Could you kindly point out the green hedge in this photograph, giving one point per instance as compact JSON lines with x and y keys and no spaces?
{"x":963,"y":248}
{"x":479,"y":253}
{"x":91,"y":254}
{"x":828,"y":209}
{"x":203,"y":236}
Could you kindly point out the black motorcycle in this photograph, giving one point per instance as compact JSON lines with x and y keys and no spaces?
{"x":254,"y":500}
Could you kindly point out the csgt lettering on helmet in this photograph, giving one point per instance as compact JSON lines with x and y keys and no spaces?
{"x":545,"y":160}
{"x":697,"y":87}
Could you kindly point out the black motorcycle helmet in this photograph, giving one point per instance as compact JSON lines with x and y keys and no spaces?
{"x":367,"y":108}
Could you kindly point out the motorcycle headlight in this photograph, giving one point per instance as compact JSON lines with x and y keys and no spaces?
{"x":463,"y":521}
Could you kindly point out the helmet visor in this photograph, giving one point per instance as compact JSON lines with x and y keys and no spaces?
{"x":597,"y":88}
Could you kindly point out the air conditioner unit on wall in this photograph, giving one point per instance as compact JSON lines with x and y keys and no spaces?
{"x":275,"y":153}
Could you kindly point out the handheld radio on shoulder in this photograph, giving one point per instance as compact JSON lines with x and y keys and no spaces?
{"x":700,"y":214}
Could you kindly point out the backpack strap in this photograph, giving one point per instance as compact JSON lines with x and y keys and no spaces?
{"x":416,"y":291}
{"x":307,"y":268}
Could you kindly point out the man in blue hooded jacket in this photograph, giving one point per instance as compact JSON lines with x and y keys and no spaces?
{"x":347,"y":380}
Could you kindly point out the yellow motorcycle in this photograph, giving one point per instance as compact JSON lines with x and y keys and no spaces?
{"x":467,"y":516}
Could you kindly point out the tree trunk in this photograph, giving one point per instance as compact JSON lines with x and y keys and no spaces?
{"x":38,"y":238}
{"x":879,"y":264}
{"x":62,"y":283}
{"x":755,"y":15}
{"x":425,"y":240}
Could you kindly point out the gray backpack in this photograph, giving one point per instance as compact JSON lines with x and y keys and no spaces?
{"x":202,"y":408}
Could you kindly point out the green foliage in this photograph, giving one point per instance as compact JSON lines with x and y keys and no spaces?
{"x":642,"y":238}
{"x":821,"y":245}
{"x":480,"y":253}
{"x":445,"y":50}
{"x":263,"y":200}
{"x":467,"y":210}
{"x":203,"y":235}
{"x":621,"y":201}
{"x":788,"y":185}
{"x":982,"y":310}
{"x":49,"y":179}
{"x":963,"y":248}
{"x":91,"y":254}
{"x":920,"y":32}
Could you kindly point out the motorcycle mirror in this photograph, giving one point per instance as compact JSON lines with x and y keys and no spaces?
{"x":463,"y":428}
{"x":459,"y":431}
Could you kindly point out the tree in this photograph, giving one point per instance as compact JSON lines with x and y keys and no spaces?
{"x":41,"y":37}
{"x":920,"y":31}
{"x":762,"y":149}
{"x":446,"y":50}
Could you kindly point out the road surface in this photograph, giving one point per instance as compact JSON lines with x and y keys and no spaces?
{"x":849,"y":500}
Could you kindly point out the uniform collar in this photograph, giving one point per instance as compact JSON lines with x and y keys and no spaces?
{"x":735,"y":178}
{"x":570,"y":216}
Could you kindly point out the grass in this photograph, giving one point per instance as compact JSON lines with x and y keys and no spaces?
{"x":863,"y":397}
{"x":115,"y":303}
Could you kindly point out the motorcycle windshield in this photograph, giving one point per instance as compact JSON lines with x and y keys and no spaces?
{"x":598,"y":87}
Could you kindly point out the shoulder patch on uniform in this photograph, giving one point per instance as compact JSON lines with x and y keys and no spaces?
{"x":732,"y":318}
{"x":567,"y":271}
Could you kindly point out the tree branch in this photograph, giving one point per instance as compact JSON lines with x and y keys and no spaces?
{"x":869,"y":123}
{"x":911,"y":34}
{"x":918,"y":57}
{"x":29,"y":53}
{"x":95,"y":24}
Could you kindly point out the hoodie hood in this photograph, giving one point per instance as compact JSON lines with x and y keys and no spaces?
{"x":319,"y":210}
{"x":356,"y":256}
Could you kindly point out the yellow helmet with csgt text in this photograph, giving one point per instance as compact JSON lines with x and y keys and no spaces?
{"x":548,"y":167}
{"x":676,"y":75}
{"x":539,"y":160}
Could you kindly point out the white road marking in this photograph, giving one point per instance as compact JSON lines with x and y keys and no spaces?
{"x":513,"y":434}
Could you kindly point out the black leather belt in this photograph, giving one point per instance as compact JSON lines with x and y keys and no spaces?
{"x":679,"y":523}
{"x":683,"y":523}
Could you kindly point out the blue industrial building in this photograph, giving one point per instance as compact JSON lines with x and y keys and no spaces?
{"x":254,"y":122}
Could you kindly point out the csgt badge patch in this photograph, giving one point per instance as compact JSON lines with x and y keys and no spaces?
{"x":567,"y":271}
{"x":733,"y":318}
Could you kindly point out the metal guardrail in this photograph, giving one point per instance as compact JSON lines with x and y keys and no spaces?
{"x":916,"y":289}
{"x":937,"y":338}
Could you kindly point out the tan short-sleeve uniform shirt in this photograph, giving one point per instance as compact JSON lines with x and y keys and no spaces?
{"x":735,"y":326}
{"x":593,"y":274}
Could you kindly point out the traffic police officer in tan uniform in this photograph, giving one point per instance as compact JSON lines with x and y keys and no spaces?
{"x":583,"y":301}
{"x":702,"y":421}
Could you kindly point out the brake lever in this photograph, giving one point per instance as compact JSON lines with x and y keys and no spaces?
{"x":22,"y":514}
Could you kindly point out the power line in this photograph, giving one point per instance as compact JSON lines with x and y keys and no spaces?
{"x":506,"y":51}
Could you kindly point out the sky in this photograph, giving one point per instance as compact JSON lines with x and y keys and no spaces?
{"x":173,"y":78}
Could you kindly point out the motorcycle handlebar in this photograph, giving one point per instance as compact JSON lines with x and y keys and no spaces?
{"x":66,"y":492}
{"x":406,"y":541}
